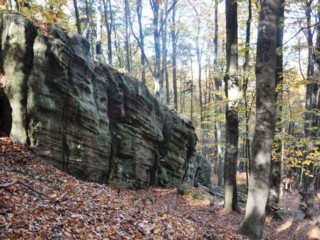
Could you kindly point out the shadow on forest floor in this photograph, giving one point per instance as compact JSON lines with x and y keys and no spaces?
{"x":292,"y":225}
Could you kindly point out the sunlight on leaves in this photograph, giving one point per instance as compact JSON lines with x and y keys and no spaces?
{"x":287,"y":224}
{"x":314,"y":233}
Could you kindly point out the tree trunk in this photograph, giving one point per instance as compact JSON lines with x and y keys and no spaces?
{"x":317,"y":75}
{"x":246,"y":66}
{"x":99,"y":31}
{"x":308,"y":178}
{"x":127,"y":36}
{"x":108,"y":21}
{"x":141,"y":36}
{"x":76,"y":11}
{"x":116,"y":44}
{"x":86,"y":28}
{"x":17,"y":5}
{"x":191,"y":93}
{"x":276,"y":163}
{"x":174,"y":58}
{"x":199,"y":56}
{"x":158,"y":84}
{"x":259,"y":182}
{"x":140,"y":41}
{"x":217,"y":87}
{"x":232,"y":94}
{"x":183,"y":93}
{"x":164,"y":70}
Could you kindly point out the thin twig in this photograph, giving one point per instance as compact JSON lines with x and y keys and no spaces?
{"x":6,"y":185}
{"x":27,"y":186}
{"x":60,"y":198}
{"x":300,"y":30}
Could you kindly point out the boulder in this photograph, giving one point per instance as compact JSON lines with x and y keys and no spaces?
{"x":85,"y":118}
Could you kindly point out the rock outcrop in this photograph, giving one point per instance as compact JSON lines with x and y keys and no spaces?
{"x":89,"y":120}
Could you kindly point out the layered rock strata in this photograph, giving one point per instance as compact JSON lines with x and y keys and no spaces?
{"x":87,"y":119}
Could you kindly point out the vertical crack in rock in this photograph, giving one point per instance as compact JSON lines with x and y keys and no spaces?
{"x":190,"y":152}
{"x":154,"y":172}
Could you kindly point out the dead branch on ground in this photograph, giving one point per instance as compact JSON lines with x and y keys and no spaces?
{"x":6,"y":185}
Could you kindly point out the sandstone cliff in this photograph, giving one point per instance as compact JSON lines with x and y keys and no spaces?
{"x":89,"y":120}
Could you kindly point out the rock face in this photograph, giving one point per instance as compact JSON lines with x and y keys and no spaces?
{"x":89,"y":120}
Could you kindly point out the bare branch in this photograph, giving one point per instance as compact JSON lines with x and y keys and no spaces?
{"x":300,"y":30}
{"x":142,"y":50}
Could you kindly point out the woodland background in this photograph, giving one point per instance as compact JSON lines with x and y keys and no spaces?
{"x":181,"y":50}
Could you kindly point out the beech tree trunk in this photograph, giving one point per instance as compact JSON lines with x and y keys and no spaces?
{"x":317,"y":75}
{"x":233,"y":95}
{"x":174,"y":58}
{"x":164,"y":70}
{"x":141,"y":36}
{"x":276,"y":163}
{"x":246,"y":65}
{"x":308,"y":177}
{"x":217,"y":87}
{"x":158,"y":84}
{"x":191,"y":93}
{"x":127,"y":35}
{"x":259,"y":181}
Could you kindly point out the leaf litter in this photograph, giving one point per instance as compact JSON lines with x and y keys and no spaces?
{"x":46,"y":203}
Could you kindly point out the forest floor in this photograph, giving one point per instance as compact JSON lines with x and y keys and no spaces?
{"x":37,"y":201}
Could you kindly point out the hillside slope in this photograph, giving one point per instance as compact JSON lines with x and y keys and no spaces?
{"x":45,"y":203}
